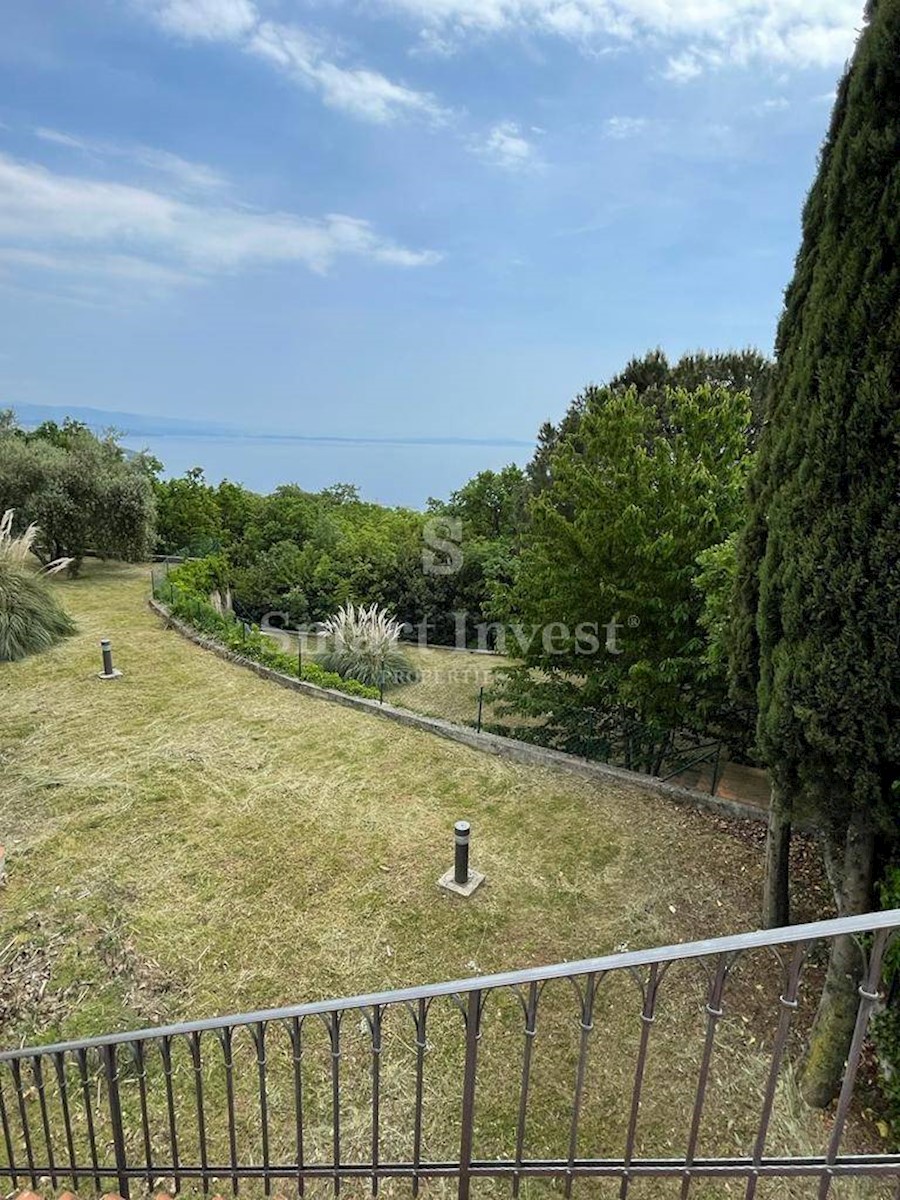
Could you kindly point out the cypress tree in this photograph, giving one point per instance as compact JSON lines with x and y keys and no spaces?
{"x":818,"y":590}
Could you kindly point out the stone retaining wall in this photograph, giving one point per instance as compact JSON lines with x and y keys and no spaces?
{"x":492,"y":743}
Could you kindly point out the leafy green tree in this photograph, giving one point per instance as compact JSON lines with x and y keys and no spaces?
{"x":289,"y":514}
{"x":654,"y":378}
{"x":491,"y":505}
{"x":717,"y":570}
{"x":260,"y":587}
{"x":611,"y":552}
{"x":238,"y":507}
{"x":85,"y":493}
{"x":188,"y":520}
{"x":746,"y":371}
{"x":818,"y":586}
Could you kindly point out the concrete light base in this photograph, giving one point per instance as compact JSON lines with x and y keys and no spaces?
{"x":449,"y":884}
{"x":116,"y":674}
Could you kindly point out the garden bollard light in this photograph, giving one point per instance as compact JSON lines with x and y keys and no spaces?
{"x":460,"y":880}
{"x":461,"y":832}
{"x":109,"y":671}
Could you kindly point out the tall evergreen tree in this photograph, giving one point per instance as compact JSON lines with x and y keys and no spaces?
{"x":819,"y":564}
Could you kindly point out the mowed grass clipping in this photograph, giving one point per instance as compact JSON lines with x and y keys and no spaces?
{"x":191,"y":840}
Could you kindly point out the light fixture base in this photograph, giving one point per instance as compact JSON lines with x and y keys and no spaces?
{"x":449,"y":884}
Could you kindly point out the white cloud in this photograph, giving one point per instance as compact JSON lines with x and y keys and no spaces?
{"x":506,"y":146}
{"x":191,"y":176}
{"x":93,"y":271}
{"x":76,"y":225}
{"x":702,"y":34}
{"x":621,"y":128}
{"x":212,"y":19}
{"x":358,"y":91}
{"x":770,"y":105}
{"x":682,"y":68}
{"x":355,"y":90}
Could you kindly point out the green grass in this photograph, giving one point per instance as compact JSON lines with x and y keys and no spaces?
{"x":191,"y":840}
{"x":448,"y":684}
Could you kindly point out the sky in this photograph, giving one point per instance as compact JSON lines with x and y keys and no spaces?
{"x":393,"y":219}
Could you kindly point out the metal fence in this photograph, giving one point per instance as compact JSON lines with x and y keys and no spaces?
{"x":444,"y":1082}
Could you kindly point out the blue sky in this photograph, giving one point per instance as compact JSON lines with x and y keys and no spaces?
{"x":394,"y":218}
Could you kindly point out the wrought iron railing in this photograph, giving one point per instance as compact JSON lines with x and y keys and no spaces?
{"x":379,"y":1086}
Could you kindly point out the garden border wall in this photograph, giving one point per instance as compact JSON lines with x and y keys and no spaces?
{"x":492,"y":743}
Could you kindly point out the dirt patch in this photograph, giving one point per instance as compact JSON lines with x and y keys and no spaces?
{"x":27,"y":963}
{"x":144,"y":984}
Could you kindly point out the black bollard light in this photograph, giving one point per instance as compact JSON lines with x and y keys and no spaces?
{"x":109,"y":671}
{"x":461,"y":831}
{"x":460,"y":880}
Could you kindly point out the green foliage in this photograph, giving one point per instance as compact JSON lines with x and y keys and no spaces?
{"x":653,"y":377}
{"x":364,"y":647}
{"x":83,"y":492}
{"x":179,"y":593}
{"x":31,"y":620}
{"x":387,"y":670}
{"x":886,"y":1024}
{"x":615,"y":536}
{"x":188,"y":517}
{"x":491,"y":505}
{"x":818,"y":591}
{"x":201,"y":577}
{"x":716,"y":573}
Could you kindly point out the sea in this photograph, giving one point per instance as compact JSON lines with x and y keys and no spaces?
{"x":392,"y":473}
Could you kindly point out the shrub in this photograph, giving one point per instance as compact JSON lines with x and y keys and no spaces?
{"x":31,"y":619}
{"x":364,"y":647}
{"x":196,"y":610}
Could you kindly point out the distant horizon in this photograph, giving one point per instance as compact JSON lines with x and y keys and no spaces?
{"x":396,"y":470}
{"x":402,"y":233}
{"x":135,"y":424}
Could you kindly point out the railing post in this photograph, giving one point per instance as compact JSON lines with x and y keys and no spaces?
{"x":868,"y":997}
{"x":473,"y":1013}
{"x":115,"y":1117}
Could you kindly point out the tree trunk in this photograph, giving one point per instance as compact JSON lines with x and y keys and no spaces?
{"x":777,"y":886}
{"x":832,"y":1029}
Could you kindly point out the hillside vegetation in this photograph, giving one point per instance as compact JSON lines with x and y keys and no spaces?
{"x":192,"y":840}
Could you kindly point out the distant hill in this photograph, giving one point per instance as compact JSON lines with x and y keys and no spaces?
{"x":137,"y":425}
{"x":129,"y":424}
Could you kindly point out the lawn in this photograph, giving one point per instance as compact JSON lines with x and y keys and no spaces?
{"x":191,"y":840}
{"x":448,"y":683}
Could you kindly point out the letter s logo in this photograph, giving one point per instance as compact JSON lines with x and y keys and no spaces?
{"x":442,"y":535}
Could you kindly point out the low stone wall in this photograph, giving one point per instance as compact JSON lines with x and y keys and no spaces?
{"x":492,"y":743}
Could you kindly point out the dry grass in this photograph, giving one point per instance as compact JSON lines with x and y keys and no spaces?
{"x":191,"y":840}
{"x":449,"y":683}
